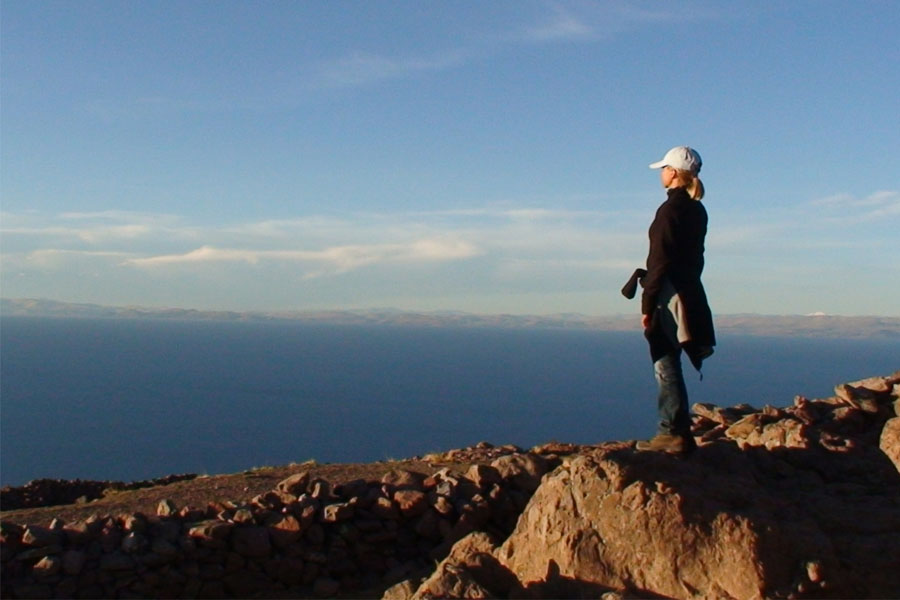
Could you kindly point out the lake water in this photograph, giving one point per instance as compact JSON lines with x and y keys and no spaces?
{"x":136,"y":399}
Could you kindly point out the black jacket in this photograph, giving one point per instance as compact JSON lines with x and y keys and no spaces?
{"x":677,"y":237}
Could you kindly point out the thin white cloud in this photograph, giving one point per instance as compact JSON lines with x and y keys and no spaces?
{"x":340,"y":258}
{"x":847,"y":208}
{"x":525,"y":214}
{"x":573,"y":21}
{"x":362,"y":68}
{"x":562,"y":25}
{"x":90,"y":235}
{"x":121,"y":216}
{"x":586,"y":20}
{"x":55,"y":258}
{"x":337,"y":245}
{"x":93,"y":228}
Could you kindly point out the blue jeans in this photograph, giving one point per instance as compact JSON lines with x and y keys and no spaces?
{"x":674,"y":415}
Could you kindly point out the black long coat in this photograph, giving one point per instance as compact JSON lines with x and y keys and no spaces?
{"x":677,"y":237}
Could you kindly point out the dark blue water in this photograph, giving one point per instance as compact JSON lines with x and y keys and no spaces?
{"x":135,"y":399}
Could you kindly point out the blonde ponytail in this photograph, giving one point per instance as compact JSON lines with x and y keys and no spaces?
{"x":691,"y":183}
{"x":695,"y":188}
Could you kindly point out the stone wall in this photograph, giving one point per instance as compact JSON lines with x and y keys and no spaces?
{"x":303,"y":538}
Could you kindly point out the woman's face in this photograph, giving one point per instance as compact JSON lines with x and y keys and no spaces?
{"x":667,"y":176}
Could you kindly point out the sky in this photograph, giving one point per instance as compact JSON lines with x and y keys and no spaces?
{"x":487,"y":157}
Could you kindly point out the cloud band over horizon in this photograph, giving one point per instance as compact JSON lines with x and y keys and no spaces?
{"x":522,"y":254}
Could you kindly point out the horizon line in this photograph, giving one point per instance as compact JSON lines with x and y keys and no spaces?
{"x":407,"y":311}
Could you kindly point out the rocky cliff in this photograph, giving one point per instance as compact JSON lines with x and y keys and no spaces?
{"x":795,"y":502}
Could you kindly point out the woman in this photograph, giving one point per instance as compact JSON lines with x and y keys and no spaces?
{"x":675,"y":314}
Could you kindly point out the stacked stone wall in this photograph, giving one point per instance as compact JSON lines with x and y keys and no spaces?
{"x":306,"y":537}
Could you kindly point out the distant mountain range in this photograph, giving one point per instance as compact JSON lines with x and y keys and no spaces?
{"x":815,"y":325}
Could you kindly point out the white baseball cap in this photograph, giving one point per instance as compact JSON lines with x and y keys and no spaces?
{"x":683,"y":158}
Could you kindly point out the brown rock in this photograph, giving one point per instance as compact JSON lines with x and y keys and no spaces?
{"x":73,"y":562}
{"x":251,"y":541}
{"x":401,"y":479}
{"x":555,"y":448}
{"x":272,"y":500}
{"x":211,"y":530}
{"x":808,"y":412}
{"x":47,"y":567}
{"x":858,"y":397}
{"x":427,"y":525}
{"x":284,"y":530}
{"x":442,"y":505}
{"x":11,"y":534}
{"x":451,"y":581}
{"x":166,"y":508}
{"x":136,"y":523}
{"x":295,"y":484}
{"x":449,"y":483}
{"x":134,"y":543}
{"x":721,"y":524}
{"x":40,"y":536}
{"x":243,"y":515}
{"x":401,"y":591}
{"x":306,"y":512}
{"x":320,"y":490}
{"x":384,"y":508}
{"x":522,"y":470}
{"x":339,"y":511}
{"x":717,"y":414}
{"x":357,"y":488}
{"x":752,"y":423}
{"x":411,"y":503}
{"x":786,"y":433}
{"x":474,"y":543}
{"x":469,"y":570}
{"x":878,"y":385}
{"x":484,"y":476}
{"x":714,"y":434}
{"x":889,"y":441}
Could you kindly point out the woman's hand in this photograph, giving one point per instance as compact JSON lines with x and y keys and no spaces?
{"x":645,"y":321}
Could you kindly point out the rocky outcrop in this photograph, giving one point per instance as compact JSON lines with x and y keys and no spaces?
{"x":795,"y":502}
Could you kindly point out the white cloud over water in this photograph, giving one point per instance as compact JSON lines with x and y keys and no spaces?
{"x":339,"y":259}
{"x":506,"y":258}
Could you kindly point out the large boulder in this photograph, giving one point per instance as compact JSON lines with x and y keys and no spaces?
{"x":725,"y":523}
{"x":469,"y":571}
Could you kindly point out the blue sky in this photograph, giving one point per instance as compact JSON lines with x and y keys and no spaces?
{"x":480,"y":156}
